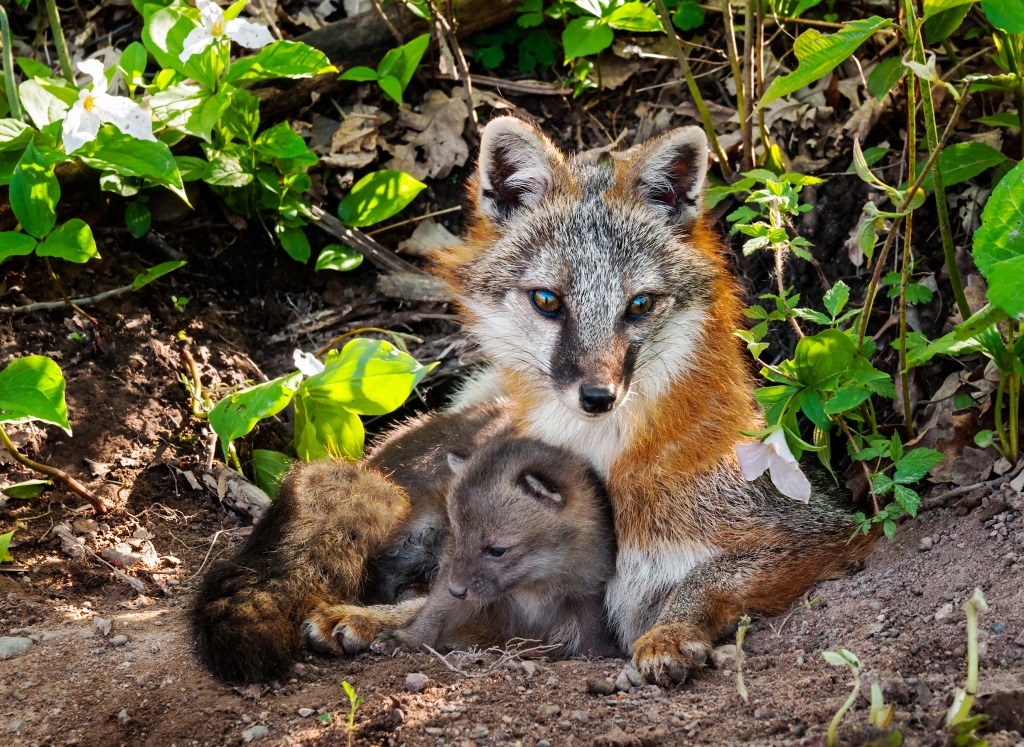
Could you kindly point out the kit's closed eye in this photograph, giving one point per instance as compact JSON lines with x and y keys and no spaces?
{"x":495,"y":552}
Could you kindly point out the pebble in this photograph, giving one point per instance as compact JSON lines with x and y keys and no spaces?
{"x":926,"y":544}
{"x":548,"y":710}
{"x":622,"y":683}
{"x":255,"y":732}
{"x":416,"y":681}
{"x":944,"y":611}
{"x":11,"y":646}
{"x":15,"y":726}
{"x":529,"y":667}
{"x":102,"y":625}
{"x":543,"y":743}
{"x":998,"y":628}
{"x":607,"y":685}
{"x":119,"y":640}
{"x":581,"y":716}
{"x":306,"y":712}
{"x":123,"y":715}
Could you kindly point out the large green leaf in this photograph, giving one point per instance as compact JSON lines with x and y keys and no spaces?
{"x":32,"y":388}
{"x":155,"y":272}
{"x":819,"y":54}
{"x":164,"y":35}
{"x":962,"y":161}
{"x":931,"y":7}
{"x":325,"y":428}
{"x":237,"y":414}
{"x":14,"y":135}
{"x":822,"y":357}
{"x":378,"y":196}
{"x":13,"y":244}
{"x":369,"y":377}
{"x":586,"y":36}
{"x":1007,"y":15}
{"x":634,"y":16}
{"x":282,"y":59}
{"x":999,"y":243}
{"x":112,"y":150}
{"x":281,"y":141}
{"x":270,"y":468}
{"x":34,"y":193}
{"x":41,"y":105}
{"x":73,"y":241}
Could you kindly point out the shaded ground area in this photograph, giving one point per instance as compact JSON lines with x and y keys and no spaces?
{"x":136,"y":682}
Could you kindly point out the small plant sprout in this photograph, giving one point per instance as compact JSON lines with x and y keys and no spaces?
{"x":881,"y":714}
{"x":957,"y":720}
{"x":741,"y":633}
{"x":180,"y":302}
{"x":354,"y":702}
{"x":96,"y":107}
{"x":215,"y":26}
{"x":843,"y":658}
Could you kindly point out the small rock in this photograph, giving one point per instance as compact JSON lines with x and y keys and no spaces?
{"x":255,"y":732}
{"x":84,"y":526}
{"x":306,"y":712}
{"x":548,"y":710}
{"x":15,"y":726}
{"x":529,"y":667}
{"x":119,"y":640}
{"x":723,"y":655}
{"x":416,"y":681}
{"x":622,"y":683}
{"x":581,"y":716}
{"x":607,"y":685}
{"x":998,"y":628}
{"x":543,"y":743}
{"x":123,"y":715}
{"x":616,"y":738}
{"x":551,"y":681}
{"x":635,"y":678}
{"x":102,"y":625}
{"x":926,"y":544}
{"x":944,"y":611}
{"x":11,"y":646}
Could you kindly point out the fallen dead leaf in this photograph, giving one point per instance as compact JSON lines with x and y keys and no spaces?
{"x":354,"y":144}
{"x":437,"y":130}
{"x":427,"y":238}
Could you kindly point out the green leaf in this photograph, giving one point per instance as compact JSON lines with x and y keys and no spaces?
{"x":392,"y":88}
{"x":404,"y":64}
{"x":294,"y":242}
{"x":962,"y":161}
{"x":536,"y":51}
{"x":137,"y":218}
{"x":915,"y":465}
{"x":359,"y":74}
{"x":72,"y":241}
{"x":325,"y":428}
{"x":889,"y":527}
{"x":1000,"y":119}
{"x":133,"y":63}
{"x":282,"y":59}
{"x":270,"y":468}
{"x":155,"y":272}
{"x":884,"y":76}
{"x":5,"y":542}
{"x":377,"y":197}
{"x":33,"y":68}
{"x":836,"y":297}
{"x":236,"y":415}
{"x":823,"y":357}
{"x":586,"y":36}
{"x":369,"y":377}
{"x":984,"y":439}
{"x":27,"y":490}
{"x":999,"y":243}
{"x":688,"y":16}
{"x":338,"y":257}
{"x":634,"y":16}
{"x":34,"y":193}
{"x":841,"y":658}
{"x":819,"y":54}
{"x":225,"y":169}
{"x":164,"y":35}
{"x":114,"y":151}
{"x":811,"y":406}
{"x":846,"y":399}
{"x":14,"y":135}
{"x":13,"y":244}
{"x":938,"y":27}
{"x":1006,"y":15}
{"x":41,"y":105}
{"x":32,"y":388}
{"x":281,"y":141}
{"x":932,"y":7}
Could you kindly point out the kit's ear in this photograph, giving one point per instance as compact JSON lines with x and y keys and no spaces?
{"x":517,"y":167}
{"x":669,"y":172}
{"x":456,"y":462}
{"x":542,"y":491}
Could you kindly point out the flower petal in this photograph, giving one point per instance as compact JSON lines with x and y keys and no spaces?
{"x":307,"y":363}
{"x":777,"y":443}
{"x":94,"y":69}
{"x":790,"y":480}
{"x":210,"y":12}
{"x":197,"y":40}
{"x":754,"y":459}
{"x":124,"y":114}
{"x":248,"y":34}
{"x":80,"y":127}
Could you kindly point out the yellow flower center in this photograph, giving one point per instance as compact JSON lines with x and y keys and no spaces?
{"x":89,"y":103}
{"x":218,"y":28}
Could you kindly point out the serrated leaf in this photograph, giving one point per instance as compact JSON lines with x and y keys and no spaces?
{"x":237,"y":414}
{"x":836,"y":297}
{"x":907,"y":499}
{"x":32,"y":388}
{"x":999,"y":243}
{"x":155,"y":272}
{"x":915,"y":465}
{"x":819,"y":54}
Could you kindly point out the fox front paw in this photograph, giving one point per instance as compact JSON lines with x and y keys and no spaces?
{"x":340,"y":629}
{"x":667,"y":654}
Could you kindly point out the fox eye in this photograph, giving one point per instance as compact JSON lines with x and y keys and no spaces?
{"x":495,"y":552}
{"x":546,"y":302}
{"x":639,"y":306}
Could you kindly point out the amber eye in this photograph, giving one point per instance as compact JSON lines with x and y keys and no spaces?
{"x":546,"y":302}
{"x":639,"y":306}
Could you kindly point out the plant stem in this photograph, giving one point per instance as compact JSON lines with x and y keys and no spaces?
{"x":199,"y":409}
{"x":94,"y":500}
{"x":747,"y":126}
{"x":738,"y":79}
{"x":1013,"y":382}
{"x":830,"y":740}
{"x":691,"y":84}
{"x":13,"y":101}
{"x":58,"y":41}
{"x":908,"y":415}
{"x":1000,"y":431}
{"x":975,"y":605}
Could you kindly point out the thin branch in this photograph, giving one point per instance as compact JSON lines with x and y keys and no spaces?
{"x":94,"y":500}
{"x":45,"y":305}
{"x":943,"y":498}
{"x":417,"y":219}
{"x":373,"y":251}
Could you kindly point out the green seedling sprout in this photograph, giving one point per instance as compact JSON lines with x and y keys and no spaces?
{"x":881,"y":714}
{"x":843,"y":658}
{"x":354,"y":702}
{"x":957,"y":719}
{"x":741,"y":633}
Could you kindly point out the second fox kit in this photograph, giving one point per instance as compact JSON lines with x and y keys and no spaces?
{"x":529,"y":549}
{"x":603,"y":302}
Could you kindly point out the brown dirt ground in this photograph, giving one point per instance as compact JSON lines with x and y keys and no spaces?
{"x":135,"y":441}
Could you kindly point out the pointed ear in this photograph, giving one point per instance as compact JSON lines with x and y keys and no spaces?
{"x":456,"y":462}
{"x":542,"y":492}
{"x":669,"y":173}
{"x":517,"y":167}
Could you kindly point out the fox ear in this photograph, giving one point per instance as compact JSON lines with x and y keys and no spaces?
{"x":517,"y":167}
{"x":542,"y":492}
{"x":669,"y":172}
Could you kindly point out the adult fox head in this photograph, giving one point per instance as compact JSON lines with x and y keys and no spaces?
{"x":587,"y":280}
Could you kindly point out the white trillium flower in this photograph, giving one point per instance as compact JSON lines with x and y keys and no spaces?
{"x":773,"y":454}
{"x":213,"y":27}
{"x":96,"y":107}
{"x":307,"y":363}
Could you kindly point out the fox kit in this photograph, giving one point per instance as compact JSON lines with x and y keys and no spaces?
{"x":310,"y":550}
{"x":529,"y":550}
{"x":603,"y":302}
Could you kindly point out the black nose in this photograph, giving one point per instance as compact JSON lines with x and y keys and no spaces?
{"x":458,"y":591}
{"x":596,"y":399}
